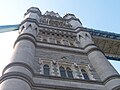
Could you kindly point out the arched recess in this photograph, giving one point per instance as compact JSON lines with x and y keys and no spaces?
{"x":85,"y":75}
{"x":46,"y":70}
{"x":69,"y":72}
{"x":62,"y":71}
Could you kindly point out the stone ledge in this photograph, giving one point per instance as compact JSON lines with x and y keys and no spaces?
{"x":18,"y":64}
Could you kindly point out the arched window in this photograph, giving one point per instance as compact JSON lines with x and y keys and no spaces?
{"x":46,"y":70}
{"x":62,"y":72}
{"x":69,"y":72}
{"x":85,"y":74}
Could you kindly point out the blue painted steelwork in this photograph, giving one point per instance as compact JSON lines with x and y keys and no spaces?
{"x":104,"y":34}
{"x":113,"y":58}
{"x":8,"y":28}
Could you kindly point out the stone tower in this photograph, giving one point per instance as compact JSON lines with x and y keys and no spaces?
{"x":57,"y":53}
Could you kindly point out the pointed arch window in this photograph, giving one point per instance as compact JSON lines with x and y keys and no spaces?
{"x":46,"y":69}
{"x":85,"y":75}
{"x":69,"y":72}
{"x":62,"y":72}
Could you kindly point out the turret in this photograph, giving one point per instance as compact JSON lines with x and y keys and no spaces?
{"x":18,"y":73}
{"x":75,"y":22}
{"x":105,"y":70}
{"x":33,"y":13}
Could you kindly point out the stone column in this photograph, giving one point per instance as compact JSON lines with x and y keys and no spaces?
{"x":105,"y":70}
{"x":17,"y":75}
{"x":20,"y":67}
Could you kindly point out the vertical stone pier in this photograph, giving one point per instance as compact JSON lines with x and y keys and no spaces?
{"x":105,"y":70}
{"x":17,"y":75}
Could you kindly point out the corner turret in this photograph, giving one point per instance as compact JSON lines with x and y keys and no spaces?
{"x":75,"y":22}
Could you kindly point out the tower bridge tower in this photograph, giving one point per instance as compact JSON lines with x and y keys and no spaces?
{"x":57,"y":53}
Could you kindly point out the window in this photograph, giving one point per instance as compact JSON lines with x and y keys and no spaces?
{"x":84,"y":74}
{"x":62,"y":72}
{"x":69,"y":72}
{"x":46,"y":70}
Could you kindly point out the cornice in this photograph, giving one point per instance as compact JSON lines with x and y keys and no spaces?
{"x":116,"y":88}
{"x":30,"y":20}
{"x":94,"y":49}
{"x":111,"y":78}
{"x":68,"y":79}
{"x":68,"y":14}
{"x":64,"y":48}
{"x":17,"y":75}
{"x":26,"y":36}
{"x":18,"y":64}
{"x":32,"y":84}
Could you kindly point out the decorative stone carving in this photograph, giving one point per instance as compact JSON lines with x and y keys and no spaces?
{"x":54,"y":68}
{"x":54,"y":22}
{"x":44,"y":20}
{"x":77,"y":71}
{"x":52,"y":14}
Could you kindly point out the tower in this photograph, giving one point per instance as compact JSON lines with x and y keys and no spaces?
{"x":57,"y":53}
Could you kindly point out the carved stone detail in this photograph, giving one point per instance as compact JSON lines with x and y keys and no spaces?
{"x":54,"y":22}
{"x":55,"y":68}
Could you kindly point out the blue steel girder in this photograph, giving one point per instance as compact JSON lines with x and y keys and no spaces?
{"x":104,"y":34}
{"x":107,"y":37}
{"x":8,"y":28}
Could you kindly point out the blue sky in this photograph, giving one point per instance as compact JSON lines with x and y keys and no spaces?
{"x":98,"y":14}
